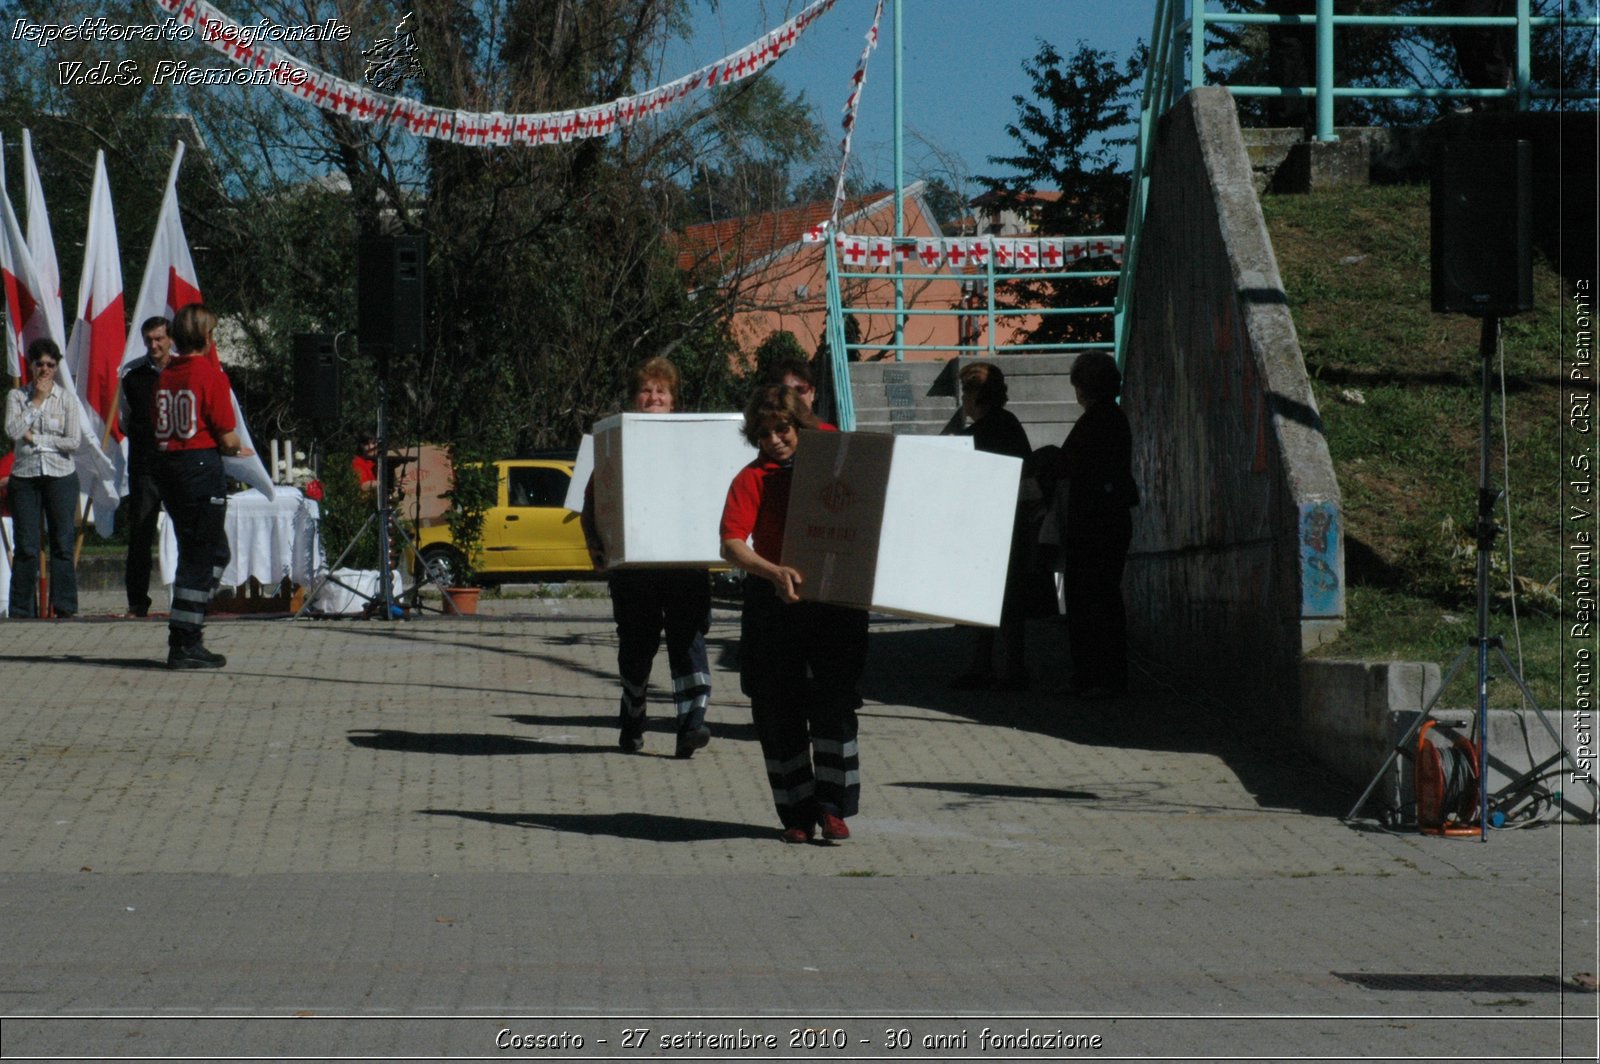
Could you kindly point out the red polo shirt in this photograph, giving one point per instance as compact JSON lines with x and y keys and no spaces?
{"x":193,"y":405}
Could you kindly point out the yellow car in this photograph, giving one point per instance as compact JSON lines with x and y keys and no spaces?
{"x":527,"y":532}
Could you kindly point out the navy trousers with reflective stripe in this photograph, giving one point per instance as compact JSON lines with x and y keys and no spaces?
{"x":801,"y":665}
{"x":646,"y":603}
{"x":194,"y":490}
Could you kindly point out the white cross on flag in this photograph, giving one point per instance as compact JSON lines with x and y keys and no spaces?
{"x":880,"y":250}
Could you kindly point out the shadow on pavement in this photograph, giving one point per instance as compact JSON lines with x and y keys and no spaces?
{"x":463,"y":745}
{"x":650,"y":827}
{"x":1001,"y":790}
{"x":661,"y":722}
{"x":88,"y":659}
{"x":911,"y":664}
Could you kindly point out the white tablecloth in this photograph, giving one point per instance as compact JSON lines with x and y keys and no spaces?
{"x":269,"y":540}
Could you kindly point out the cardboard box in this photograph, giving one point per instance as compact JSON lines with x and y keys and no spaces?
{"x":918,"y":526}
{"x":582,"y":470}
{"x":660,"y":481}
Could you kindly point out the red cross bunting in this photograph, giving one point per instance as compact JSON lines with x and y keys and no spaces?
{"x":855,"y":251}
{"x":882,"y":251}
{"x":1100,"y":247}
{"x":1026,"y":255}
{"x":570,"y":127}
{"x":1003,"y":253}
{"x":955,"y":253}
{"x":905,"y":251}
{"x":978,"y":252}
{"x":1050,"y":251}
{"x":928,"y":252}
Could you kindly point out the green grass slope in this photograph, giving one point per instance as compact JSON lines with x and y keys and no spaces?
{"x":1398,"y":387}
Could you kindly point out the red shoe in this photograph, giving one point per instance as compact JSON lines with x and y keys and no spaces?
{"x":834,"y":829}
{"x":797,"y":836}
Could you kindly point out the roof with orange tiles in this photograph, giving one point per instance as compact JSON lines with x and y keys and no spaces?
{"x":735,"y":243}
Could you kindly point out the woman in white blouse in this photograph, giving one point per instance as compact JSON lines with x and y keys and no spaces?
{"x":42,"y":421}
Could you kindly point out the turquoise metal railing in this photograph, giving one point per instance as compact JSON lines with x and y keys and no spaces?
{"x":972,"y":300}
{"x":1165,"y":81}
{"x":1176,"y":64}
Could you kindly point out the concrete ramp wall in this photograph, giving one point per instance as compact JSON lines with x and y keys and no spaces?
{"x":1237,"y":559}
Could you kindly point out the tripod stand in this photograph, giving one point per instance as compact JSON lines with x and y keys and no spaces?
{"x":1482,"y":642}
{"x":383,"y":604}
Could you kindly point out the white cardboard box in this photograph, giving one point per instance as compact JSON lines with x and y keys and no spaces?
{"x":582,"y":470}
{"x":660,"y":481}
{"x":918,"y":526}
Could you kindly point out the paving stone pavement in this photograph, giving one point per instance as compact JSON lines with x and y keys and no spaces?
{"x":368,"y":839}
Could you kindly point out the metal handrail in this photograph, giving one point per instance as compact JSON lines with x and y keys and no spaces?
{"x":1165,"y":82}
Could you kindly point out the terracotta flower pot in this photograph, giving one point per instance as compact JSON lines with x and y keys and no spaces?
{"x":464,"y":599}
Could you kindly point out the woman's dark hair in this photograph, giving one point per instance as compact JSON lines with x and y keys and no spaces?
{"x":987,"y":383}
{"x":192,"y":328}
{"x":796,"y":367}
{"x":43,"y":346}
{"x":771,"y":404}
{"x":1095,"y":373}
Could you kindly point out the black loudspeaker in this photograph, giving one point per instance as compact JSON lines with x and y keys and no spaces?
{"x":390,"y":296}
{"x":316,"y":376}
{"x":1482,"y":207}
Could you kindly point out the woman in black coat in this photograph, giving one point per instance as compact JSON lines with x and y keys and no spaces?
{"x":1097,"y":465}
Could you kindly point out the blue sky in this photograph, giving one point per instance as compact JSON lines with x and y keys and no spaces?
{"x":963,"y":64}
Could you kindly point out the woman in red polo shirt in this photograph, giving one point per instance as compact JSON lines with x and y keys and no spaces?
{"x":806,"y":724}
{"x":195,"y":427}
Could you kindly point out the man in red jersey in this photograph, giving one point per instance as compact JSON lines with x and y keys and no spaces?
{"x":195,"y":427}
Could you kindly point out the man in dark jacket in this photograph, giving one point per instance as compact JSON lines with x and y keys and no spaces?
{"x":144,"y":499}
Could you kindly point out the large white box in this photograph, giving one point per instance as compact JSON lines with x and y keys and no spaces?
{"x":660,"y":481}
{"x":918,"y":526}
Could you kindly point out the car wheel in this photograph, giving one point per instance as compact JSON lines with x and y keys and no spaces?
{"x":444,"y":562}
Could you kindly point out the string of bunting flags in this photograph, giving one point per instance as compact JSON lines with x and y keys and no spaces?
{"x":852,"y":104}
{"x":1004,"y":253}
{"x":478,"y":129}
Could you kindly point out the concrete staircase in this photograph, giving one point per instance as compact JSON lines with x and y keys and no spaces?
{"x":924,"y":397}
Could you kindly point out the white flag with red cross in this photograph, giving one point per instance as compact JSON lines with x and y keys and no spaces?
{"x":1027,"y":254}
{"x":905,"y":253}
{"x":978,"y":252}
{"x":1005,"y":254}
{"x":930,"y":253}
{"x":880,"y":252}
{"x":955,"y":253}
{"x":26,"y":322}
{"x":170,"y":284}
{"x":41,"y":245}
{"x":853,"y":252}
{"x":94,"y":352}
{"x":815,"y":234}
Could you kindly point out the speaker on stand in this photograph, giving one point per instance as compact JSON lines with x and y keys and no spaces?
{"x":1481,"y":211}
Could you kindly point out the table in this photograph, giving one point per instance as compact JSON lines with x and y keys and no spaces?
{"x":270,"y":540}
